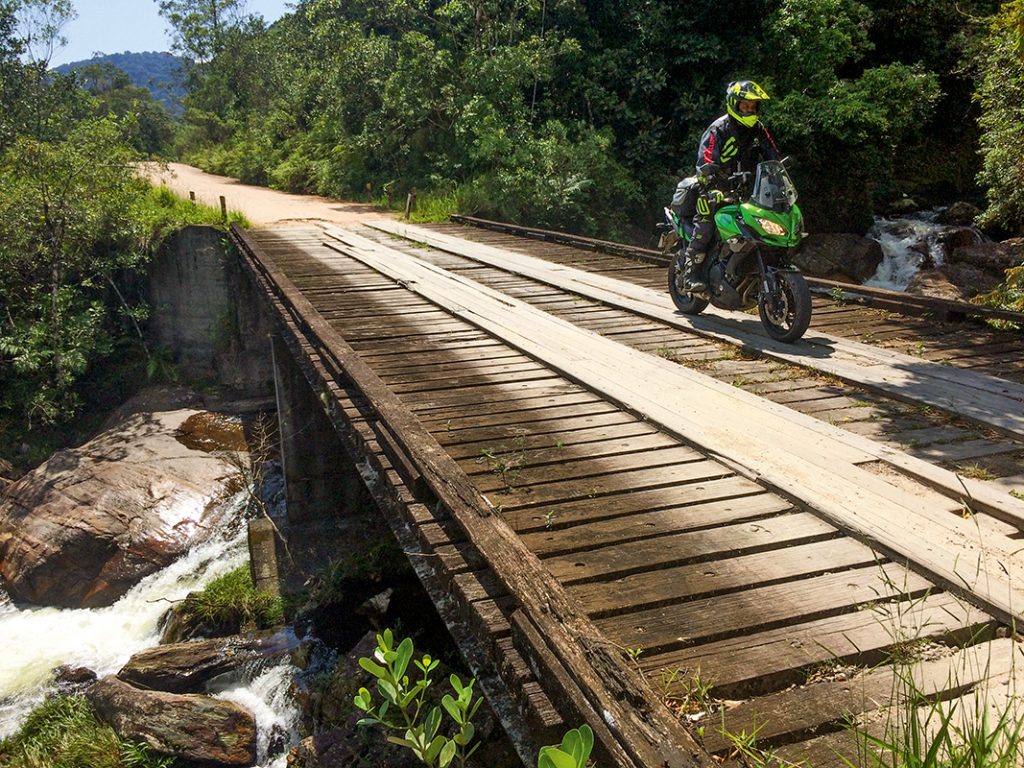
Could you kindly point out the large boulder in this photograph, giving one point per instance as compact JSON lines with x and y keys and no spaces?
{"x":87,"y":525}
{"x":189,"y":726}
{"x":994,"y":257}
{"x":960,"y":214}
{"x":839,"y":254}
{"x":186,"y":667}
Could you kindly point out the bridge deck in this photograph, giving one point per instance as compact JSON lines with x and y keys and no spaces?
{"x":669,"y":552}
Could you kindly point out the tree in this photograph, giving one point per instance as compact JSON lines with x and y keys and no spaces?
{"x":200,"y":27}
{"x":67,"y":225}
{"x":1001,"y":66}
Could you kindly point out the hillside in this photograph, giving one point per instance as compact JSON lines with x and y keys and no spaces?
{"x":161,"y":73}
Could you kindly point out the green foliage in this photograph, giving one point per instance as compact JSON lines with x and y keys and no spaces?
{"x":1009,"y":294}
{"x":1002,"y":145}
{"x":573,"y":752}
{"x":403,"y":710}
{"x":231,"y":602}
{"x":63,"y":733}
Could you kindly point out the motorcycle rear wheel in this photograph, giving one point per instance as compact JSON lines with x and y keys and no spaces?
{"x":686,"y":303}
{"x":786,"y":315}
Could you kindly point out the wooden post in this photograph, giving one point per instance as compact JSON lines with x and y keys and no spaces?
{"x":263,"y":557}
{"x":223,"y":209}
{"x":369,"y":191}
{"x":410,"y":203}
{"x":192,"y":196}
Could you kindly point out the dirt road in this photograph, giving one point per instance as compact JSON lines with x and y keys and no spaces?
{"x":262,"y":206}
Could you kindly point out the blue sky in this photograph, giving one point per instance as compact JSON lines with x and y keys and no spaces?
{"x":115,"y":26}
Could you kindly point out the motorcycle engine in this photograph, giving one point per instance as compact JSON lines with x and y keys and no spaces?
{"x":723,"y":293}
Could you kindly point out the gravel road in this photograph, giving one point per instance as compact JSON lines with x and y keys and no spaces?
{"x":263,"y":207}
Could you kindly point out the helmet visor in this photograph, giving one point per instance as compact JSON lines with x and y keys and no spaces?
{"x":747,"y":106}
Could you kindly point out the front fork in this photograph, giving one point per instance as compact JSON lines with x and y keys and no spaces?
{"x":770,"y":293}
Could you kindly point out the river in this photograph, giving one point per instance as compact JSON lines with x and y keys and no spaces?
{"x":909,"y":243}
{"x":36,"y":640}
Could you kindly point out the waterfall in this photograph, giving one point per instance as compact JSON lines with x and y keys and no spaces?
{"x":910,"y":243}
{"x":36,"y":640}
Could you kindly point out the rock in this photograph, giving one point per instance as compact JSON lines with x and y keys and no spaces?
{"x":327,"y":749}
{"x":935,"y":283}
{"x":995,"y":257}
{"x":185,"y":667}
{"x":902,"y":206}
{"x":959,"y":214}
{"x":831,"y":253}
{"x":189,"y":726}
{"x":69,"y":679}
{"x":970,"y":280}
{"x":84,"y":527}
{"x":154,"y":399}
{"x":956,"y":237}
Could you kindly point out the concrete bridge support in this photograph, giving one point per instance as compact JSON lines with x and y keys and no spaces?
{"x":331,"y":515}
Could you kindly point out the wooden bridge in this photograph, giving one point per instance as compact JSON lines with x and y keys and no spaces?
{"x":672,"y":529}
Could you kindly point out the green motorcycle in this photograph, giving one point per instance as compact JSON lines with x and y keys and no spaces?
{"x":748,"y":263}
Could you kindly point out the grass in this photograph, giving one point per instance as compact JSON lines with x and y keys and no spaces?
{"x":232,"y":602}
{"x":162,"y":212}
{"x":975,"y":472}
{"x":63,"y":732}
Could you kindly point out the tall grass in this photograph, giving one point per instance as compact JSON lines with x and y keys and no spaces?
{"x":232,"y":603}
{"x":161,"y":212}
{"x":63,"y":733}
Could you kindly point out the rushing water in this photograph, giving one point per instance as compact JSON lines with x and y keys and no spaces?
{"x":909,"y":243}
{"x":36,"y":640}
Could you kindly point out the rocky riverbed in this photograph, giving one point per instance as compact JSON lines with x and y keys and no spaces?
{"x":102,"y":550}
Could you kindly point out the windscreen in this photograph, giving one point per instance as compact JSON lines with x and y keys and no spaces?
{"x":773,"y":189}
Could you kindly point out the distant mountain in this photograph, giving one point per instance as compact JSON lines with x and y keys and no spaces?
{"x":161,"y":73}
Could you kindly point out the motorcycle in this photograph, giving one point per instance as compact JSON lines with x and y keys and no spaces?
{"x":748,"y":262}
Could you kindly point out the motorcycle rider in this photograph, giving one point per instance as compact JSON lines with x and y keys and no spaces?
{"x":734,"y":142}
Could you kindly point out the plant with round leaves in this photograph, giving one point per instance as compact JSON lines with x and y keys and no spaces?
{"x":573,"y":752}
{"x":422,"y":736}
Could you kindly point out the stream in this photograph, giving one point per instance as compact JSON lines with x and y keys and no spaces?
{"x":36,"y":640}
{"x":909,"y":243}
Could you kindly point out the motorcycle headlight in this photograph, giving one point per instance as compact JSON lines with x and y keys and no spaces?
{"x":771,"y":227}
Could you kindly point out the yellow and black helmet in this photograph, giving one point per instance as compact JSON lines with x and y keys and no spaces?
{"x":742,"y":101}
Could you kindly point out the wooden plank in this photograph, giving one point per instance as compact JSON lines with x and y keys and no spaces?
{"x":596,"y":441}
{"x":556,"y":539}
{"x":702,"y":621}
{"x":615,"y":562}
{"x":799,"y":712}
{"x":704,"y":580}
{"x":628,"y":501}
{"x":749,"y":664}
{"x":528,"y":495}
{"x":576,"y":468}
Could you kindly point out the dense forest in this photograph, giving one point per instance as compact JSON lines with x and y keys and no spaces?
{"x":558,"y":113}
{"x":582,"y":115}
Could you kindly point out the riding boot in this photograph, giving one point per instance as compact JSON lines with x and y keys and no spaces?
{"x":692,"y":282}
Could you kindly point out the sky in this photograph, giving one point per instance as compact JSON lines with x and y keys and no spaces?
{"x":116,"y":26}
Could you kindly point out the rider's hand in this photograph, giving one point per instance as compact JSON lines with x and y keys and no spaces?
{"x":716,"y":196}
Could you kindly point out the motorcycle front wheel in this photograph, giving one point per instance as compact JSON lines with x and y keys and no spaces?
{"x":787,"y":313}
{"x":685,"y":302}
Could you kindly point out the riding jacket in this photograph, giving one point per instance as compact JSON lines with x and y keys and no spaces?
{"x":731,"y":147}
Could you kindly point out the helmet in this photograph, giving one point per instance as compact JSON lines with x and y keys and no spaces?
{"x":741,"y":101}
